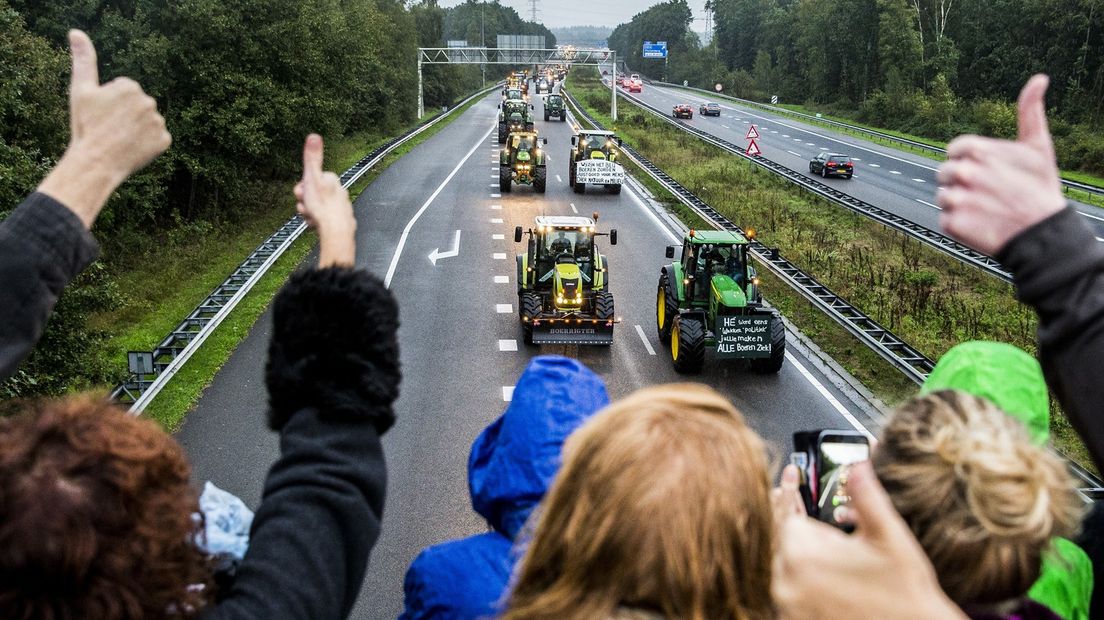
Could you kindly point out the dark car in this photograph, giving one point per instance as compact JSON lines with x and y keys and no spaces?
{"x":682,"y":110}
{"x":832,"y":164}
{"x":710,"y":109}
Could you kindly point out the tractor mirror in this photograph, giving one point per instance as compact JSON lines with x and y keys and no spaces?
{"x":499,"y":106}
{"x":531,"y":107}
{"x":613,"y":236}
{"x":670,"y":251}
{"x":619,"y":142}
{"x":574,"y":140}
{"x":545,"y":140}
{"x":517,"y":234}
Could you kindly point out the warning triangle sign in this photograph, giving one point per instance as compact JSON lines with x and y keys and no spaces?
{"x":753,"y":149}
{"x":753,"y":133}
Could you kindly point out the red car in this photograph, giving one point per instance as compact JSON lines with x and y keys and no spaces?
{"x":682,"y":110}
{"x":635,"y":86}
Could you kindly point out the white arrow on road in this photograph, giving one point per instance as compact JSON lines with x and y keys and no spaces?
{"x":455,"y":251}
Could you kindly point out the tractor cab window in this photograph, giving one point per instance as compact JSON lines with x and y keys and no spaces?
{"x":723,"y":260}
{"x":567,"y":246}
{"x":560,"y":242}
{"x":522,"y":143}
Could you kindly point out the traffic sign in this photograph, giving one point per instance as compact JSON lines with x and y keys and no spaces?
{"x":774,"y":99}
{"x":752,"y":134}
{"x":655,"y":50}
{"x":753,"y":149}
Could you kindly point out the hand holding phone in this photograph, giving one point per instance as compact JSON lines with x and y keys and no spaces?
{"x":824,"y":457}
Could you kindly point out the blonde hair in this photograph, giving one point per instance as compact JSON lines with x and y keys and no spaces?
{"x":981,"y":497}
{"x":663,"y":504}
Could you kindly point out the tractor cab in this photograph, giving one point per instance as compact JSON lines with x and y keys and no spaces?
{"x":596,"y":145}
{"x":717,"y":263}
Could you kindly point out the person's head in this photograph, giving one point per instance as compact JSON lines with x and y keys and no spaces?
{"x":983,"y":499}
{"x":96,"y":516}
{"x":662,"y":504}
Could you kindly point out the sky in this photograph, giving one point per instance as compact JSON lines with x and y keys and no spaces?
{"x":560,"y":13}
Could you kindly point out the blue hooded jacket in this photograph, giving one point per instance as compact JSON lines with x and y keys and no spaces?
{"x":510,"y":468}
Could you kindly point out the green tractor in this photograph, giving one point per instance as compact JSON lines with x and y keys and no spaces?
{"x":710,"y":298}
{"x":563,"y":283}
{"x":514,"y":115}
{"x":554,"y":107}
{"x":523,"y":161}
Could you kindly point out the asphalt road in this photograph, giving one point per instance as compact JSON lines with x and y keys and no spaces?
{"x":898,"y":181}
{"x":461,"y":341}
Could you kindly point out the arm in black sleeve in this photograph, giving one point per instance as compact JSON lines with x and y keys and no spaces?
{"x":43,"y":246}
{"x":1058,"y":268}
{"x":333,"y":373}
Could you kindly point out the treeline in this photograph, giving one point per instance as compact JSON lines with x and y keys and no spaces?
{"x":931,"y":67}
{"x":582,"y":36}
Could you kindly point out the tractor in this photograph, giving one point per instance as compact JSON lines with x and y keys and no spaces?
{"x":514,"y":115}
{"x":563,"y":283}
{"x":593,"y":160}
{"x":710,"y":299}
{"x":554,"y":107}
{"x":523,"y":161}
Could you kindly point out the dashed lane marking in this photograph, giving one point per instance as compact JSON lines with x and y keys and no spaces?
{"x":496,"y":195}
{"x":920,"y":180}
{"x":785,"y":135}
{"x":726,"y":126}
{"x":496,"y":207}
{"x":507,"y":345}
{"x":504,"y":308}
{"x":856,"y":159}
{"x":498,"y":237}
{"x":499,"y":256}
{"x":924,"y":202}
{"x":874,"y":165}
{"x":792,"y":153}
{"x":573,"y":209}
{"x":496,"y":220}
{"x":502,"y":279}
{"x":558,"y":179}
{"x":894,"y":172}
{"x":647,"y":345}
{"x":507,"y":393}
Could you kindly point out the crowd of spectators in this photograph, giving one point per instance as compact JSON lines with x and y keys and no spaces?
{"x":658,"y":505}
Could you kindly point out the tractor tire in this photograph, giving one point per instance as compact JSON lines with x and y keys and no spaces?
{"x":613,"y":189}
{"x":546,"y":117}
{"x":563,"y":116}
{"x":540,"y":179}
{"x":687,"y":345}
{"x":603,"y":305}
{"x":666,"y":311}
{"x":580,"y":188}
{"x":505,"y":178}
{"x":502,"y":133}
{"x":773,"y":364}
{"x":529,"y":305}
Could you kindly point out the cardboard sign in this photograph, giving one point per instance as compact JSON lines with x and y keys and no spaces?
{"x":744,"y":336}
{"x":599,"y":171}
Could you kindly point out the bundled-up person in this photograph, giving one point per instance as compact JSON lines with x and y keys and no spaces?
{"x":510,"y":468}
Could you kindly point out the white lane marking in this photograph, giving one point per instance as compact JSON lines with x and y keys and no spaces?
{"x":874,"y":165}
{"x":785,"y":135}
{"x":507,"y":393}
{"x":507,"y":345}
{"x":1095,"y":217}
{"x":792,"y":153}
{"x":726,"y":126}
{"x":828,"y":396}
{"x":498,"y":237}
{"x":496,"y":220}
{"x":655,"y":218}
{"x":894,"y":172}
{"x":573,"y":209}
{"x":855,"y":159}
{"x":773,"y":131}
{"x":496,"y":195}
{"x":410,"y":225}
{"x":920,"y":180}
{"x":647,"y":345}
{"x":496,"y":207}
{"x":499,"y":256}
{"x":493,"y":185}
{"x":558,"y":179}
{"x":494,"y":176}
{"x":924,"y":202}
{"x":819,"y":147}
{"x":437,"y":254}
{"x":1099,"y":239}
{"x":502,"y":279}
{"x":504,"y":308}
{"x":797,"y":139}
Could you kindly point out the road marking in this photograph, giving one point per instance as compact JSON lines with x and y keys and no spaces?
{"x":785,"y":135}
{"x":494,"y":185}
{"x":438,"y":254}
{"x":654,"y":217}
{"x":496,"y":207}
{"x":558,"y":179}
{"x":496,"y":220}
{"x":894,"y":172}
{"x":499,"y":256}
{"x":819,"y":147}
{"x":874,"y":165}
{"x":502,"y":279}
{"x":496,"y":195}
{"x":792,"y":153}
{"x":1092,"y":216}
{"x":924,"y":202}
{"x":573,"y":209}
{"x":920,"y":180}
{"x":410,"y":225}
{"x":828,"y":396}
{"x":726,"y":126}
{"x":498,"y":237}
{"x":797,"y":139}
{"x":647,"y":345}
{"x":507,"y":393}
{"x":856,"y":159}
{"x":507,"y":345}
{"x":773,"y":131}
{"x":504,"y":308}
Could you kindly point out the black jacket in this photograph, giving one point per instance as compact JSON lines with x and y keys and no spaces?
{"x":1058,"y":268}
{"x":332,"y":375}
{"x":43,"y":246}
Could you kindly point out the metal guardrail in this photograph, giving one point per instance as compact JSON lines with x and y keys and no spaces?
{"x":890,"y":347}
{"x":925,"y":235}
{"x":1083,"y":187}
{"x":185,"y":339}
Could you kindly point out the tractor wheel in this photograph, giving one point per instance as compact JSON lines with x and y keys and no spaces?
{"x":579,"y":187}
{"x":502,"y":133}
{"x":546,"y":117}
{"x":529,"y":304}
{"x":773,"y":364}
{"x":613,"y":189}
{"x":540,"y":179}
{"x":603,"y":305}
{"x":687,"y":345}
{"x":505,"y":177}
{"x":666,"y":311}
{"x":563,"y":116}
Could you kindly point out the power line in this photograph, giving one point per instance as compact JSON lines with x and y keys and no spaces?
{"x":533,"y":10}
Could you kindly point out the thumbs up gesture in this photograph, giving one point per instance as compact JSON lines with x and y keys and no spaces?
{"x":115,"y":131}
{"x":993,"y":190}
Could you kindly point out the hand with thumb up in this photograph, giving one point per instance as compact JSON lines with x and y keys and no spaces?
{"x":115,"y":130}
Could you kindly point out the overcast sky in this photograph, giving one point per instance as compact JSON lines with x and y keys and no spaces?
{"x":559,"y":13}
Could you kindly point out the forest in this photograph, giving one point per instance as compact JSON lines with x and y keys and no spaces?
{"x":934,"y":68}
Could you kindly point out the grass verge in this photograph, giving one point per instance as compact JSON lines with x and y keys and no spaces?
{"x":926,"y":297}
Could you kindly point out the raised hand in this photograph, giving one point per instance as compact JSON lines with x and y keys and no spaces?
{"x":993,"y":190}
{"x":325,"y":205}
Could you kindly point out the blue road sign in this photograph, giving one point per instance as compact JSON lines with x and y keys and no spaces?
{"x":655,"y":50}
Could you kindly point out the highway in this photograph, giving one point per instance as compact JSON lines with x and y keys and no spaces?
{"x":461,"y":340}
{"x":898,"y":181}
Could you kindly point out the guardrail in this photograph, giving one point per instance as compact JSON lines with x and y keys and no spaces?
{"x":914,"y":364}
{"x":1083,"y":187}
{"x":925,"y":235}
{"x":185,"y":339}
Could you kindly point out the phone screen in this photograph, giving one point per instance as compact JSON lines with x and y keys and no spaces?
{"x":836,"y":452}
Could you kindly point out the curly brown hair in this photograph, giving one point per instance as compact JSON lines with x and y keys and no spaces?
{"x":96,"y":516}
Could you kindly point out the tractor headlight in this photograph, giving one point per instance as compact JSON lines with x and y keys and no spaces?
{"x":755,"y":280}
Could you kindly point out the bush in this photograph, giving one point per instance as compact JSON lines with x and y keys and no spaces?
{"x":994,"y":118}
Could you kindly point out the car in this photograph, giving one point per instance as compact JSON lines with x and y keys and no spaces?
{"x":682,"y":110}
{"x":832,"y":164}
{"x":635,"y":85}
{"x":543,"y":86}
{"x":709,"y":109}
{"x":635,"y":76}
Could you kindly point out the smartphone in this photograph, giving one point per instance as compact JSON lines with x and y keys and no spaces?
{"x":823,"y":456}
